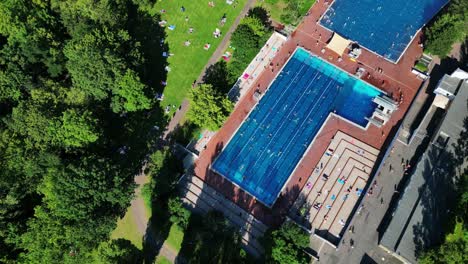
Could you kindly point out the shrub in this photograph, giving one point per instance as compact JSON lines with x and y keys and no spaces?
{"x":179,"y":215}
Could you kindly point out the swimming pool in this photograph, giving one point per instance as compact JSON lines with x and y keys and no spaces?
{"x":385,"y":27}
{"x":266,"y":148}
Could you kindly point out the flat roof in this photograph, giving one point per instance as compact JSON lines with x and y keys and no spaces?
{"x":422,"y":209}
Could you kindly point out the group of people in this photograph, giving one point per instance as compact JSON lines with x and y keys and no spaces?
{"x":216,"y":34}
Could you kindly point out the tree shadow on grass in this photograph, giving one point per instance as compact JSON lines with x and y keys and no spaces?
{"x":157,"y":230}
{"x":217,"y":75}
{"x":184,"y":133}
{"x":145,"y":29}
{"x":163,"y":184}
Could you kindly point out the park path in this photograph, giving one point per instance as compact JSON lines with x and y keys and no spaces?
{"x":214,"y":58}
{"x":137,"y":205}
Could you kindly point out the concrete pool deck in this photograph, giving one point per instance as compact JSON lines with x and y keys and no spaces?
{"x":395,"y":79}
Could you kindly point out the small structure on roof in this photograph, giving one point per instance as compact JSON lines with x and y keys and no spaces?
{"x":338,"y":44}
{"x":448,"y":87}
{"x":354,"y":51}
{"x":385,"y":107}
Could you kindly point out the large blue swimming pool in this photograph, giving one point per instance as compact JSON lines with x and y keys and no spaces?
{"x":268,"y":145}
{"x":383,"y":26}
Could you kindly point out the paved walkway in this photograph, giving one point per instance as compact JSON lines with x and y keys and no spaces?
{"x":137,"y":205}
{"x":180,"y":113}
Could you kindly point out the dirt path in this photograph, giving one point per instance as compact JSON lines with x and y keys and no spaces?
{"x":137,"y":204}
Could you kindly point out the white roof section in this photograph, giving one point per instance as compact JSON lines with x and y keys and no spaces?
{"x":338,"y":44}
{"x":460,"y":74}
{"x":441,"y":101}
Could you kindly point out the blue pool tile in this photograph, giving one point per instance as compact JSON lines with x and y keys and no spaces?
{"x":264,"y":151}
{"x":385,"y":27}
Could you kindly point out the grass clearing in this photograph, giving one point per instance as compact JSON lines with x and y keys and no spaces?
{"x":187,"y":62}
{"x":175,"y":238}
{"x":277,"y":7}
{"x":126,"y":228}
{"x":162,"y":260}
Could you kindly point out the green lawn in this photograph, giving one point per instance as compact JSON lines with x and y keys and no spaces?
{"x":187,"y":62}
{"x":277,"y":7}
{"x":175,"y":238}
{"x":162,"y":260}
{"x":126,"y":228}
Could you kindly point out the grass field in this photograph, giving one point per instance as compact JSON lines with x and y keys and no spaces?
{"x":126,"y":228}
{"x":187,"y":62}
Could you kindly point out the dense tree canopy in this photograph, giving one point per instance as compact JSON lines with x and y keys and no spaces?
{"x":447,"y":28}
{"x":247,"y":39}
{"x":75,"y":125}
{"x":209,"y":108}
{"x":286,"y":245}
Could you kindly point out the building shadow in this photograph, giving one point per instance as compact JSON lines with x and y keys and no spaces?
{"x":217,"y":227}
{"x":401,"y":186}
{"x":438,"y":197}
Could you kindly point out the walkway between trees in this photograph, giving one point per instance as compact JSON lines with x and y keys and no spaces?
{"x":137,"y":204}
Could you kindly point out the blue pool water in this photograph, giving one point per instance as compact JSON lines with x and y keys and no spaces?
{"x":383,"y":26}
{"x":266,"y":148}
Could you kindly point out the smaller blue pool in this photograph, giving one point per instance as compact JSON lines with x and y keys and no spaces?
{"x":383,"y":26}
{"x":264,"y":151}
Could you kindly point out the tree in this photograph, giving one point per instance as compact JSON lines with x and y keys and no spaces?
{"x":292,"y":13}
{"x":447,"y":28}
{"x":453,"y":250}
{"x":246,"y":43}
{"x":129,"y":95}
{"x":286,"y":245}
{"x":208,"y":108}
{"x":261,"y":14}
{"x":120,"y":251}
{"x":71,"y":96}
{"x":455,"y":247}
{"x":49,"y":239}
{"x":164,"y":169}
{"x":77,"y":129}
{"x":179,"y":215}
{"x":247,"y":40}
{"x":210,"y":239}
{"x":85,"y":189}
{"x":217,"y":76}
{"x":93,"y":62}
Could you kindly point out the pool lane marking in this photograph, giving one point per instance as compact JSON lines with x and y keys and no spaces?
{"x":235,"y":132}
{"x":330,"y":84}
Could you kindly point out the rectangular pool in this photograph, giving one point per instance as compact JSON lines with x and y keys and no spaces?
{"x":264,"y":151}
{"x":384,"y":27}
